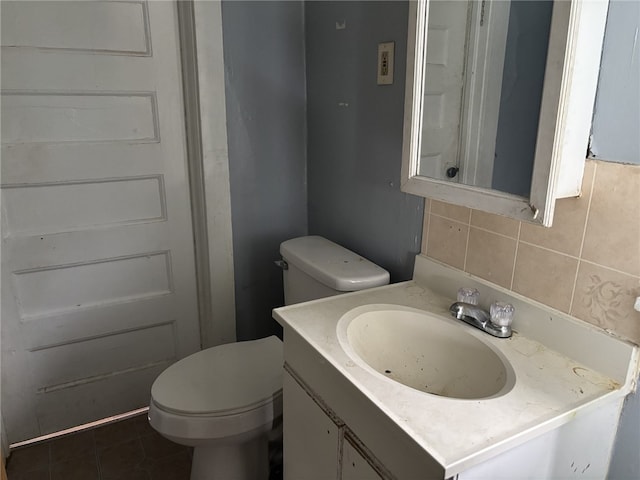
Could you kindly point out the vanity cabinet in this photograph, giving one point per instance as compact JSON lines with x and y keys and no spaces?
{"x":311,"y":446}
{"x":333,"y":431}
{"x":320,"y":444}
{"x":315,"y":447}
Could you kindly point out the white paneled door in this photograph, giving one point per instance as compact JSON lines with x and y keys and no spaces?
{"x":444,"y":81}
{"x":98,"y":283}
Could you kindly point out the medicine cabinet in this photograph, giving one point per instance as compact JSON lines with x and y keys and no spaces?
{"x":499,"y":100}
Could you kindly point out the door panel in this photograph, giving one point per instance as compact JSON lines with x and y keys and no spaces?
{"x":78,"y":117}
{"x":98,"y":272}
{"x":113,"y":27}
{"x":107,"y":202}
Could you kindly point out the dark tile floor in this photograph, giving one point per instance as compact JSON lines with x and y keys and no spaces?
{"x":126,"y":450}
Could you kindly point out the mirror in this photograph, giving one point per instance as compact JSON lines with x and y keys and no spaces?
{"x":484,"y":72}
{"x":499,"y":98}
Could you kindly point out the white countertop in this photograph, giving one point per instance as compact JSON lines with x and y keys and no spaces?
{"x":552,"y":385}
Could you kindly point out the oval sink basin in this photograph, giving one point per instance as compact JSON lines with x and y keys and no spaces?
{"x":424,"y":352}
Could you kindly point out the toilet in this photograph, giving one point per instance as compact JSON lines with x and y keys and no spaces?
{"x":225,"y":400}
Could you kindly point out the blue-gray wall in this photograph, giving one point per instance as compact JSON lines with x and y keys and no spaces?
{"x":266,"y":124}
{"x":616,"y":137}
{"x":355,"y":133}
{"x":616,"y":121}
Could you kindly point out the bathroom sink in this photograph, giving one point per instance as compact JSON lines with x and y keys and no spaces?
{"x":424,"y":352}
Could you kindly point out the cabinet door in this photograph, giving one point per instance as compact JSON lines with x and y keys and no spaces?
{"x":355,"y":466}
{"x":310,"y":437}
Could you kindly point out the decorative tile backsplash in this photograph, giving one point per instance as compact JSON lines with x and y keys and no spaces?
{"x":587,"y":264}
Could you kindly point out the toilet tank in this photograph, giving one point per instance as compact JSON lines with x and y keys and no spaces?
{"x":318,"y":268}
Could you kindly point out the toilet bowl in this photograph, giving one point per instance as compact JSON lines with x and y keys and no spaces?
{"x":225,"y":400}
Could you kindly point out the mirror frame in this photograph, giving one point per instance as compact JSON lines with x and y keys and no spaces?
{"x":570,"y":82}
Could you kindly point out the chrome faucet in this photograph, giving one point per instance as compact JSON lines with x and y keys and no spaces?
{"x":479,"y":318}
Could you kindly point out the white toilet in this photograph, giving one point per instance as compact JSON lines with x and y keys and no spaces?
{"x":224,"y":400}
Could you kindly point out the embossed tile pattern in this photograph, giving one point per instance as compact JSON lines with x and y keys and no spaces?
{"x":125,"y":450}
{"x":605,"y":298}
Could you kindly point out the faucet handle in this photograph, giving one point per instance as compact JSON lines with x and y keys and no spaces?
{"x":502,"y":314}
{"x":468,"y":295}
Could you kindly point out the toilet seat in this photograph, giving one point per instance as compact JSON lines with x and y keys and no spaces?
{"x":194,"y":430}
{"x":223,"y":380}
{"x":231,"y":391}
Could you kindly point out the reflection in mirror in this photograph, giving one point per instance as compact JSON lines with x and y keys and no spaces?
{"x":484,"y":73}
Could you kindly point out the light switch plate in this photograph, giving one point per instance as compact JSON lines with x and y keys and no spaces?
{"x":385,"y":63}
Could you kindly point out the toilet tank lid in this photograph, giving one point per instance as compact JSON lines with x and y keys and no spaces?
{"x":333,"y":265}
